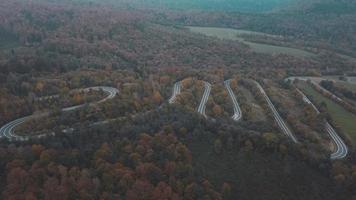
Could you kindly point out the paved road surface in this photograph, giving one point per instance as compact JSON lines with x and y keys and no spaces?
{"x":341,"y":148}
{"x":237,"y":111}
{"x":282,"y":125}
{"x":8,"y":129}
{"x":176,"y":91}
{"x":202,"y":105}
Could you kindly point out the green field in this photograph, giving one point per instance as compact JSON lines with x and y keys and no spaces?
{"x":343,"y":118}
{"x":235,"y":34}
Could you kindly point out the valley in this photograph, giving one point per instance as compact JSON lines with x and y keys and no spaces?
{"x":240,"y":36}
{"x":236,"y":34}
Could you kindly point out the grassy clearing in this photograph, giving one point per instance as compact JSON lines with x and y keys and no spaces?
{"x":235,"y":34}
{"x":225,"y":33}
{"x":343,"y":118}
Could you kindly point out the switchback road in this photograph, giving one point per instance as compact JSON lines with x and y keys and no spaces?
{"x":202,"y":106}
{"x":341,"y":148}
{"x":237,"y":111}
{"x":176,"y":91}
{"x":282,"y":125}
{"x":8,"y":129}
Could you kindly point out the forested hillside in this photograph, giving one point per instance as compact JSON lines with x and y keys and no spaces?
{"x":116,"y":100}
{"x":324,"y":25}
{"x":208,"y":5}
{"x":325,"y":6}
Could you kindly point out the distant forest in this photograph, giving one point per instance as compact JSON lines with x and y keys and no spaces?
{"x":217,"y":5}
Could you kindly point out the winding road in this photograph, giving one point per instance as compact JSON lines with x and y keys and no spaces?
{"x":282,"y":125}
{"x":8,"y":129}
{"x":237,"y":110}
{"x":176,"y":91}
{"x":202,"y":105}
{"x":341,"y":148}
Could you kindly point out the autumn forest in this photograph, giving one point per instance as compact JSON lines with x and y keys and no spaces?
{"x":127,"y":100}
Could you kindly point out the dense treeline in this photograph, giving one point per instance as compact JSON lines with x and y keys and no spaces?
{"x":59,"y":37}
{"x":348,"y":106}
{"x":308,"y":28}
{"x":154,"y":160}
{"x":151,"y":167}
{"x":338,"y":90}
